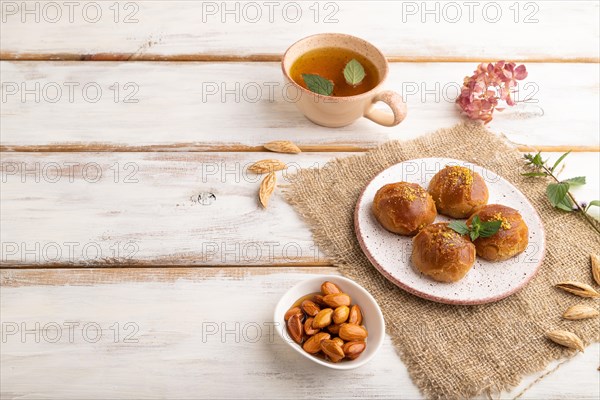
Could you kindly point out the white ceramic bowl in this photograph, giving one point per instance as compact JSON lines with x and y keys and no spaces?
{"x":372,"y":317}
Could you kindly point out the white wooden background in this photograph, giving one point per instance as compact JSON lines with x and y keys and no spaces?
{"x":106,"y":216}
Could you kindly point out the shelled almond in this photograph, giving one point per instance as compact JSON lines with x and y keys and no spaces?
{"x":323,"y":318}
{"x":310,"y":308}
{"x":329,"y":288}
{"x":308,"y":327}
{"x":351,"y":332}
{"x":327,"y":324}
{"x":294,"y":326}
{"x":335,"y":300}
{"x":318,"y":300}
{"x":332,"y":350}
{"x":313,"y":343}
{"x":340,"y":314}
{"x":355,"y":315}
{"x":292,"y":311}
{"x":334,"y":329}
{"x":353,"y":349}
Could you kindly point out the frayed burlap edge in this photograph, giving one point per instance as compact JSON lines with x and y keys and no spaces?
{"x":325,"y":198}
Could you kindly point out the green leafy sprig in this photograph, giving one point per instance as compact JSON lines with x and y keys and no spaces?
{"x":558,"y":191}
{"x":318,"y":84}
{"x":354,"y":73}
{"x":477,"y":229}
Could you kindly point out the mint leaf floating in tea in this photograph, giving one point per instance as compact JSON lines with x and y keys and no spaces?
{"x":317,"y":84}
{"x":477,"y":229}
{"x":354,"y":72}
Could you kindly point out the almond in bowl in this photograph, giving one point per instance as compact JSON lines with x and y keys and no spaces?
{"x":332,"y":321}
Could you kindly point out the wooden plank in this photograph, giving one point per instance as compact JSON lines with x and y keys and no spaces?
{"x":329,"y":148}
{"x":225,"y":106}
{"x":184,"y":30}
{"x":184,"y":341}
{"x":156,"y":209}
{"x":23,"y":278}
{"x":6,"y":56}
{"x":149,"y":209}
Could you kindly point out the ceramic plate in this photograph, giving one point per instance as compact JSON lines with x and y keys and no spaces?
{"x":486,"y":281}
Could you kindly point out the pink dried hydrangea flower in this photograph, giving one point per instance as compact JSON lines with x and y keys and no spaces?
{"x":490,"y":83}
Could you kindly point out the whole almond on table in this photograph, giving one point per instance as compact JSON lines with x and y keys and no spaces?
{"x":596,"y":267}
{"x":267,"y":187}
{"x":340,"y":314}
{"x":336,"y":300}
{"x":329,"y":288}
{"x":332,"y":350}
{"x":565,"y":338}
{"x":579,"y":289}
{"x":292,"y":311}
{"x":323,"y":318}
{"x":310,"y":308}
{"x":351,"y":332}
{"x":294,"y":327}
{"x":313,"y":344}
{"x":355,"y":315}
{"x":580,"y":311}
{"x":308,"y":328}
{"x":354,"y":349}
{"x":264,"y":166}
{"x":282,"y":146}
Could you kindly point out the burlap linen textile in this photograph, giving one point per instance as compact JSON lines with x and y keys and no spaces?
{"x":456,"y":351}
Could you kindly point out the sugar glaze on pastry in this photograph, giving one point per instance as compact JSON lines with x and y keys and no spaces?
{"x":458,"y":191}
{"x":404,"y":208}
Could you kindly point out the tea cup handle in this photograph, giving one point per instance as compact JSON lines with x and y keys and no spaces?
{"x":394,"y":101}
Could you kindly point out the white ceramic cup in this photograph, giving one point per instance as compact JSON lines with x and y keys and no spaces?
{"x":334,"y":112}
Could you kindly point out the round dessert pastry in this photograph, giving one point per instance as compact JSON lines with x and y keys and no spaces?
{"x":458,"y":191}
{"x":403,"y":208}
{"x":511,"y":239}
{"x":442,"y":254}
